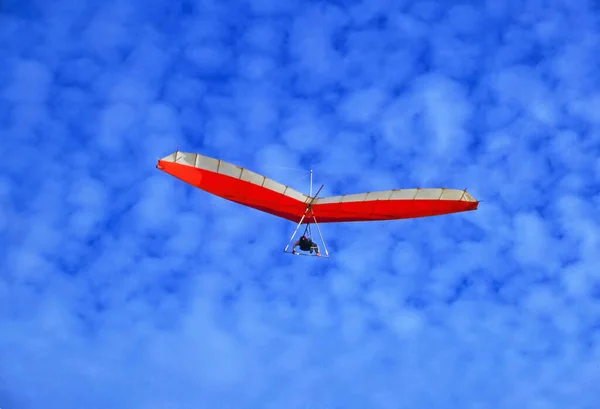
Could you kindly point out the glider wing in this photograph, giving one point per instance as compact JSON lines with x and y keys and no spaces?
{"x":392,"y":205}
{"x":250,"y":189}
{"x":236,"y":184}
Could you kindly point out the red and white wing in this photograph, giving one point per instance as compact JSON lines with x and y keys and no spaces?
{"x":392,"y":205}
{"x":250,"y":189}
{"x":236,"y":184}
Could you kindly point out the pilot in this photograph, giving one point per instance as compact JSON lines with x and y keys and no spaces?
{"x":306,"y":244}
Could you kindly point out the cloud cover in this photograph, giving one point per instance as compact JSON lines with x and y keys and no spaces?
{"x":122,"y":287}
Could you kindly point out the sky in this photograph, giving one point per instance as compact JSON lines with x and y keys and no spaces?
{"x":123,"y":287}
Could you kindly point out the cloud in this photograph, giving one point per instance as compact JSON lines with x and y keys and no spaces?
{"x":121,"y":286}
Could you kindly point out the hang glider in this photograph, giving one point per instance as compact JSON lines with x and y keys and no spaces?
{"x":250,"y":189}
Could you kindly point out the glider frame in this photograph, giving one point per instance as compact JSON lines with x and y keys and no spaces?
{"x":312,"y":213}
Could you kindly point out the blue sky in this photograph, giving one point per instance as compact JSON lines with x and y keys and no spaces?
{"x":123,"y":287}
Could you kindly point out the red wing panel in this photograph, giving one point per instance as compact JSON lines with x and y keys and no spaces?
{"x":373,"y":210}
{"x":237,"y":190}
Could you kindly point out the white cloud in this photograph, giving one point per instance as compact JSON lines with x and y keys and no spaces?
{"x":125,"y":287}
{"x":30,"y":82}
{"x":363,"y":105}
